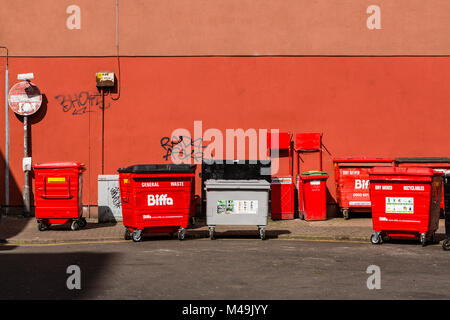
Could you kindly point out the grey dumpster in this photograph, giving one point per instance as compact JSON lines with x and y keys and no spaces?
{"x":237,"y":202}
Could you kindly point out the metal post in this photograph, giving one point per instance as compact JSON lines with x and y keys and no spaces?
{"x":26,"y":186}
{"x":6,"y":140}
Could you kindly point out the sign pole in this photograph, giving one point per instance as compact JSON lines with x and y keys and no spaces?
{"x":26,"y":186}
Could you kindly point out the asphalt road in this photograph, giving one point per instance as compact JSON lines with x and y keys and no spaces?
{"x":225,"y":269}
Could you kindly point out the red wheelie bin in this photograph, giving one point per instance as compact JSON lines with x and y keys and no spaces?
{"x":58,"y":187}
{"x":314,"y":195}
{"x":157,"y":198}
{"x":405,"y":203}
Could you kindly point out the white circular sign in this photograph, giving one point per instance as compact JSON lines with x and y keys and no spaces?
{"x":25,"y":98}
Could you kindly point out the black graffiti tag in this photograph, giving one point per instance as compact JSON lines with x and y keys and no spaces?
{"x":115,"y":196}
{"x":182,"y":147}
{"x":81,"y":103}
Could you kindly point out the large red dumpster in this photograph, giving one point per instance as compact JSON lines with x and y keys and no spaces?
{"x":352,"y":182}
{"x":440,"y":164}
{"x":157,"y":199}
{"x":58,"y":188}
{"x":405,"y":202}
{"x":314,"y":195}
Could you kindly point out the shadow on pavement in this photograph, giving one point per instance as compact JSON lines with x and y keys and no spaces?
{"x":44,"y":276}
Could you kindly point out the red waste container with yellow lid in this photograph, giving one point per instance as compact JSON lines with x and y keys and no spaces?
{"x":58,"y":189}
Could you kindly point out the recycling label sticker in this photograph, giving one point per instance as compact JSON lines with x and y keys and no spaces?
{"x":399,"y":205}
{"x":237,"y":206}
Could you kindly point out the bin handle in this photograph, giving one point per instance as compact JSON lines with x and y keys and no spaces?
{"x":64,"y":196}
{"x":125,"y":199}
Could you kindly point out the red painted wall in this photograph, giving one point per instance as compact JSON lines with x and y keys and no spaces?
{"x":384,"y":106}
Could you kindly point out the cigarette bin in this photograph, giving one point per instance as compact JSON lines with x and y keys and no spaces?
{"x":237,"y":202}
{"x":157,"y":199}
{"x":405,"y":203}
{"x":314,"y":195}
{"x":441,"y":164}
{"x":58,"y":187}
{"x":352,"y":182}
{"x":446,"y":243}
{"x":282,"y":198}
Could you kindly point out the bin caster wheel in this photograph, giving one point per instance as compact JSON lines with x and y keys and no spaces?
{"x":376,"y":238}
{"x":82,"y":222}
{"x":446,"y":245}
{"x":212,"y":235}
{"x":127,"y":235}
{"x":42,"y":226}
{"x":136,"y":236}
{"x":301,"y":216}
{"x":75,"y":225}
{"x":181,"y":233}
{"x":345,"y":213}
{"x":423,"y":239}
{"x":262,"y":233}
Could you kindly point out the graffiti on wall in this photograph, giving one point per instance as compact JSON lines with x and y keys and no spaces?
{"x":182,"y":148}
{"x":80,"y":103}
{"x":115,"y":196}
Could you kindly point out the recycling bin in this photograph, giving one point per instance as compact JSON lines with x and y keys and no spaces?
{"x":157,"y":198}
{"x":405,"y":203}
{"x":352,"y":182}
{"x":314,"y":185}
{"x":282,"y":198}
{"x":237,"y":202}
{"x":58,"y":194}
{"x":446,"y":243}
{"x":441,"y":164}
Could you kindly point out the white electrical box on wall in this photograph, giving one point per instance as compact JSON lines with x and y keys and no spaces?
{"x":104,"y":79}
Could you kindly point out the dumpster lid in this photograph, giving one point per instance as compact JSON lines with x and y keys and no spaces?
{"x":362,"y":160}
{"x":403,"y":171}
{"x":236,"y":184}
{"x":159,"y":168}
{"x":51,"y":165}
{"x":423,"y":160}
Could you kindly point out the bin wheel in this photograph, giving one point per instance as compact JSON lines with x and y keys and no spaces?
{"x":136,"y":235}
{"x":181,"y":233}
{"x":42,"y":226}
{"x":301,"y":216}
{"x":127,"y":235}
{"x":212,"y":235}
{"x":262,"y":233}
{"x":423,"y":239}
{"x":446,"y":245}
{"x":375,"y":238}
{"x":75,"y":225}
{"x":82,"y":222}
{"x":345,"y":213}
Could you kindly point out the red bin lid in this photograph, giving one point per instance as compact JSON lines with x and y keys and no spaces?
{"x":52,"y":165}
{"x":402,"y":171}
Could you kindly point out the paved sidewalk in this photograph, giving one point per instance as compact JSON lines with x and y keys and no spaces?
{"x":16,"y":230}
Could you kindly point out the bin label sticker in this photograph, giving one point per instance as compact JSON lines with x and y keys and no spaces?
{"x":399,"y":205}
{"x":281,"y":180}
{"x":237,"y":206}
{"x":315,"y":182}
{"x":351,"y":172}
{"x":56,"y":179}
{"x":150,"y":184}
